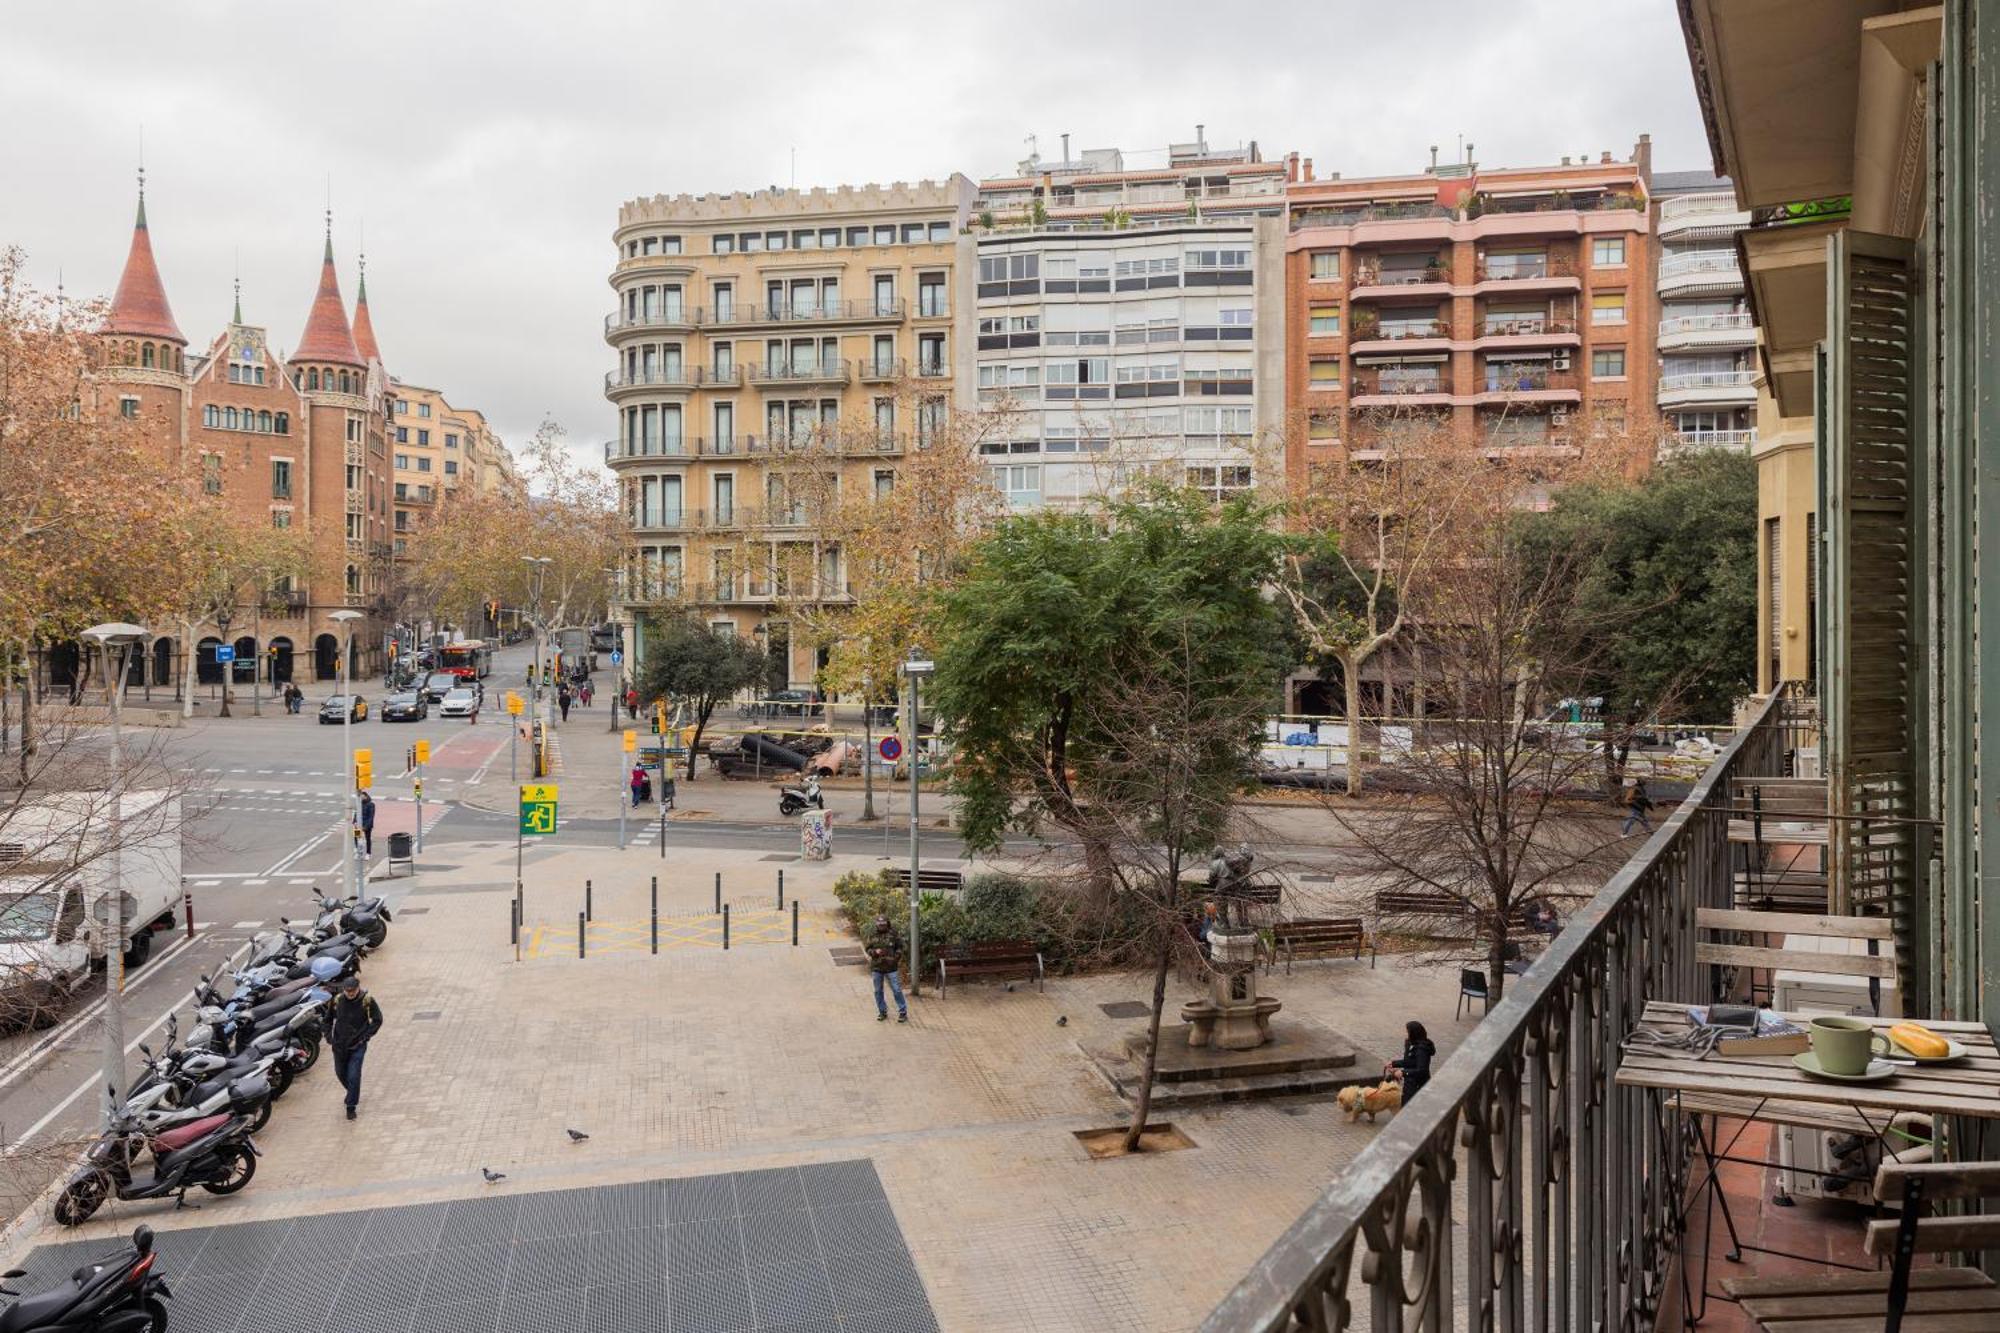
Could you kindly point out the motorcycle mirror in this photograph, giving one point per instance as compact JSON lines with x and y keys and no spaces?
{"x":145,"y":1050}
{"x":14,"y":1272}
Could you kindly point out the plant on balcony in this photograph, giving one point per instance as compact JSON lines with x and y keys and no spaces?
{"x":1365,"y":324}
{"x":986,"y":218}
{"x":1038,"y":212}
{"x":687,"y":662}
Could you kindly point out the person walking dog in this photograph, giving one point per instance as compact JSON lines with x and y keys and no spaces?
{"x":885,"y":958}
{"x":356,"y":1020}
{"x":1415,"y":1066}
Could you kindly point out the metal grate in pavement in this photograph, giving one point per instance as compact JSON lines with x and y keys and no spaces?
{"x":1127,"y":1009}
{"x":811,"y":1249}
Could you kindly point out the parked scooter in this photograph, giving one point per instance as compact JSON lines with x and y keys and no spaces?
{"x":216,"y":1154}
{"x":193,"y":1085}
{"x":120,"y":1293}
{"x":791,"y":800}
{"x":367,"y":918}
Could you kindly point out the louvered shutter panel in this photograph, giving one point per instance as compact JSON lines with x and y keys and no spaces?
{"x":1868,"y":420}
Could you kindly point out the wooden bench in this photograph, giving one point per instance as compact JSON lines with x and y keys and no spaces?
{"x":1946,"y":1300}
{"x":1878,"y":964}
{"x":999,"y":958}
{"x":928,"y":881}
{"x":1320,"y":937}
{"x":1406,"y":906}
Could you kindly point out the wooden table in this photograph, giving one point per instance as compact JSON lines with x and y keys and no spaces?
{"x":1770,"y":1089}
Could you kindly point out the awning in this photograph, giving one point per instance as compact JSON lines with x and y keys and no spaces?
{"x":1413,"y":359}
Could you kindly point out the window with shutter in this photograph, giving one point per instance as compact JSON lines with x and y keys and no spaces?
{"x":1774,"y":587}
{"x":1870,"y":696}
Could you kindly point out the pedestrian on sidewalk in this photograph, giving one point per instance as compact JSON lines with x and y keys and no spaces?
{"x":584,"y":693}
{"x":1415,"y":1067}
{"x":563,"y":697}
{"x":368,"y":823}
{"x":1637,"y":803}
{"x":885,"y":958}
{"x":356,"y":1019}
{"x":642,"y":785}
{"x":632,"y":702}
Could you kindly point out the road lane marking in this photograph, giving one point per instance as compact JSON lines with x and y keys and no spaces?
{"x":246,"y":925}
{"x":130,"y":1047}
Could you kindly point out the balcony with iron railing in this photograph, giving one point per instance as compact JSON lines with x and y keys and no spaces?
{"x":1391,"y":386}
{"x":1695,"y":440}
{"x":832,"y":371}
{"x":1704,"y":268}
{"x":635,"y":378}
{"x":1372,"y":280}
{"x":1369,"y":329}
{"x":1736,"y":329}
{"x":1523,"y":1188}
{"x":867,"y":310}
{"x":678,"y":448}
{"x":1696,"y":388}
{"x":676,"y":317}
{"x":1553,"y":271}
{"x":1532,"y":383}
{"x":880,"y":370}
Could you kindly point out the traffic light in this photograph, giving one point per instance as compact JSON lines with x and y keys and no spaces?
{"x":659,"y":717}
{"x":364,"y":769}
{"x":423,"y":752}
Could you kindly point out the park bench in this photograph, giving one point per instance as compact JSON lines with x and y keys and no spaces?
{"x":999,"y":958}
{"x":928,"y":881}
{"x":1320,"y":937}
{"x":1405,"y":909}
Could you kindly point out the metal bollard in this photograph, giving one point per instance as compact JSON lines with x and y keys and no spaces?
{"x":795,"y":923}
{"x":581,"y":920}
{"x":656,"y":930}
{"x":718,"y":890}
{"x":514,"y":920}
{"x":725,"y":925}
{"x":187,"y":900}
{"x":781,"y":889}
{"x":589,"y":913}
{"x":656,"y":895}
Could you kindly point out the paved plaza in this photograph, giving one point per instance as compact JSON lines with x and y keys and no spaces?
{"x":700,"y":1062}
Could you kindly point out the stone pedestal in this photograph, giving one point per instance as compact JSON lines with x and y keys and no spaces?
{"x":1232,"y":1016}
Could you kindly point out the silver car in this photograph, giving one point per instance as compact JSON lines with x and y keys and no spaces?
{"x":460,"y":702}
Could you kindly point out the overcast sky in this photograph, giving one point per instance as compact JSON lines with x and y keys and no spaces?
{"x":486,"y":147}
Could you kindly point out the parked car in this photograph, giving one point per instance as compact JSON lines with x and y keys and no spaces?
{"x":340,"y":707}
{"x":461,"y":702}
{"x":411,"y":707}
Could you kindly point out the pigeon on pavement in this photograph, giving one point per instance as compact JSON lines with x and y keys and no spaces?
{"x":492,"y":1177}
{"x":576,"y":1135}
{"x":1062,"y":1021}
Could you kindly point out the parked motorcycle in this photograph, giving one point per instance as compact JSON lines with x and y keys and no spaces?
{"x":180,"y":1087}
{"x":367,"y":918}
{"x":791,"y":800}
{"x":216,"y":1154}
{"x":120,"y":1293}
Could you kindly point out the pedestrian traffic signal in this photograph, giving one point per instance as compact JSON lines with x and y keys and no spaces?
{"x":423,"y":752}
{"x":364,"y":768}
{"x":659,"y":717}
{"x":631,"y":741}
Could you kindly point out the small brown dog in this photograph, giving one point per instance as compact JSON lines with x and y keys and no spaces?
{"x":1359,"y":1101}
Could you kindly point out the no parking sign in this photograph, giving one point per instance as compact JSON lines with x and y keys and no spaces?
{"x":892,"y":749}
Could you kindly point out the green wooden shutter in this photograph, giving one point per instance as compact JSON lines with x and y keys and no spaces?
{"x":1870,"y":677}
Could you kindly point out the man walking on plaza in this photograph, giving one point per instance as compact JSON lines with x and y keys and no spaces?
{"x":885,"y":957}
{"x":356,"y":1018}
{"x":563,"y":697}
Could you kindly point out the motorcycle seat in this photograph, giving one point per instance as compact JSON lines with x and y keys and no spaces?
{"x":180,"y":1136}
{"x":45,"y":1308}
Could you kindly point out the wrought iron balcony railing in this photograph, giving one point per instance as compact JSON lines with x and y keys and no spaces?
{"x":1565,"y":1177}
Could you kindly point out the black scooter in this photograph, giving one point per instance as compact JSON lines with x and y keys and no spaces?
{"x":216,"y":1154}
{"x":120,"y":1293}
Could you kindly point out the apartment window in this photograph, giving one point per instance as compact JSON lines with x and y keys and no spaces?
{"x":1325,"y":319}
{"x":1607,"y":251}
{"x":1003,"y":268}
{"x":725,"y":362}
{"x":885,"y":293}
{"x":885,"y":235}
{"x":940,"y":231}
{"x":128,"y":408}
{"x":1607,"y":308}
{"x":402,"y":407}
{"x":450,"y":440}
{"x":423,"y":437}
{"x":1323,"y":427}
{"x":752,"y":242}
{"x":774,"y":240}
{"x":402,"y":462}
{"x":1219,"y":482}
{"x":402,"y":435}
{"x":1324,"y":372}
{"x":423,"y":463}
{"x":1326,"y":263}
{"x":724,"y":294}
{"x":1607,"y":363}
{"x":725,"y":497}
{"x":281,"y":479}
{"x":931,"y":295}
{"x":724,"y":245}
{"x":451,"y":467}
{"x":725,"y":426}
{"x":1021,"y":483}
{"x":424,"y":410}
{"x":281,"y":518}
{"x":211,"y":473}
{"x":885,"y":482}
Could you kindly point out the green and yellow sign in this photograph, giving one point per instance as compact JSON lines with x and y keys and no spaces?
{"x":538,"y":808}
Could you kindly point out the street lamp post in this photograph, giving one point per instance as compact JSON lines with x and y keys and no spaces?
{"x":916,"y":668}
{"x":115,"y":643}
{"x":537,"y":565}
{"x":348,"y":878}
{"x":222,"y":619}
{"x":617,"y":673}
{"x":867,"y":749}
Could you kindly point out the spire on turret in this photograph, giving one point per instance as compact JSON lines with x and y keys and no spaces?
{"x":364,"y":327}
{"x":140,"y":305}
{"x":327,"y":336}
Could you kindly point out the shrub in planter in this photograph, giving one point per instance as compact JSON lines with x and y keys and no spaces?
{"x":999,"y":907}
{"x":863,"y":897}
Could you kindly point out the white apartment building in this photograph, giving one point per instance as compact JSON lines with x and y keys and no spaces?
{"x":1707,"y":341}
{"x":1120,"y":320}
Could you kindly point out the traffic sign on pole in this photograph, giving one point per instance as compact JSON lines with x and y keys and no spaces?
{"x":225,"y":652}
{"x":538,"y":808}
{"x":617,"y":658}
{"x":514,"y":703}
{"x":892,"y":749}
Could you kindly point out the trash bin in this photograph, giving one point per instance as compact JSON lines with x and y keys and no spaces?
{"x":399,"y":850}
{"x":815,"y":836}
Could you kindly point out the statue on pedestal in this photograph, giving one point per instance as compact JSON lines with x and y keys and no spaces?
{"x":1232,"y":1015}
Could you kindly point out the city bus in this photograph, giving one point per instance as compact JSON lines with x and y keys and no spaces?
{"x":473,"y":654}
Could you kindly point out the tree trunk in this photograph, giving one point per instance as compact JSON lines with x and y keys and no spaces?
{"x":694,"y":745}
{"x":1350,"y":670}
{"x":187,"y":670}
{"x":1496,"y":960}
{"x":1144,"y":1106}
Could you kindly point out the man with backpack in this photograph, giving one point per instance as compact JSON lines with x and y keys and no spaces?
{"x":356,"y":1019}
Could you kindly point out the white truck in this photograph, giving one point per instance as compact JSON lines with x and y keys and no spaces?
{"x":56,"y":866}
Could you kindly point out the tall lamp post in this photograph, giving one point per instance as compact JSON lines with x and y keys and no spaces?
{"x":537,"y":566}
{"x":115,"y":643}
{"x":351,"y":889}
{"x":867,"y":749}
{"x":617,"y":673}
{"x":222,"y":619}
{"x":916,"y":668}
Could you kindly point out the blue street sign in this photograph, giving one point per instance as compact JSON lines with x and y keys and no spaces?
{"x":617,"y":658}
{"x":892,"y":749}
{"x":225,"y":652}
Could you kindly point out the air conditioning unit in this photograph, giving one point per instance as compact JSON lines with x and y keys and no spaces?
{"x":1558,"y":416}
{"x":1810,"y":1168}
{"x":1560,"y":361}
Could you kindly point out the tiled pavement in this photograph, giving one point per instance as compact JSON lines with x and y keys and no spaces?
{"x":699,"y":1061}
{"x":813,"y":1249}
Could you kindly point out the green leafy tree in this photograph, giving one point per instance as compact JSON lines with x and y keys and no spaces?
{"x":1671,"y":562}
{"x":1054,"y":610}
{"x":687,"y":661}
